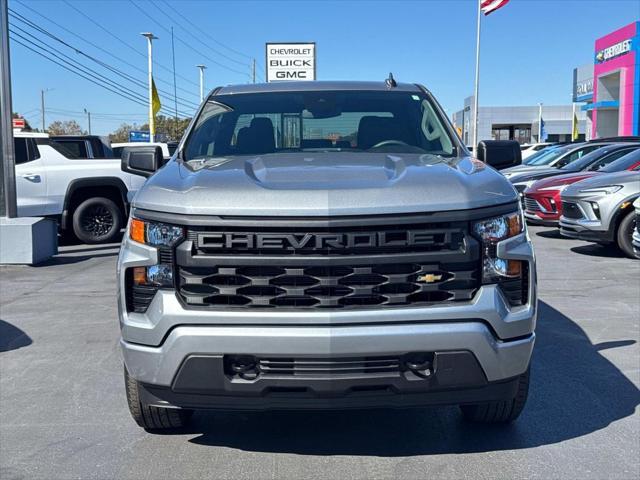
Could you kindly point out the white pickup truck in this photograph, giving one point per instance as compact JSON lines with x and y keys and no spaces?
{"x":89,"y":197}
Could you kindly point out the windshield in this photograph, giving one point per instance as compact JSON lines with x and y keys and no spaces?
{"x":343,"y":121}
{"x":627,"y":162}
{"x":583,"y":162}
{"x":547,"y":157}
{"x":532,"y":158}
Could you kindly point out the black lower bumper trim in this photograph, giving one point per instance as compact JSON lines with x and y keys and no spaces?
{"x":494,"y":391}
{"x":206,"y":382}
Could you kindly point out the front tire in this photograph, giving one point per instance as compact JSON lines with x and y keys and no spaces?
{"x":97,"y":220}
{"x":150,"y":417}
{"x":501,"y":411}
{"x":625,"y":233}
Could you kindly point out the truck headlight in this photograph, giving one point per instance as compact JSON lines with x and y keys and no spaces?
{"x":142,"y":283}
{"x":155,"y":234}
{"x":494,"y":230}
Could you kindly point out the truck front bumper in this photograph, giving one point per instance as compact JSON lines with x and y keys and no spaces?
{"x":181,"y":356}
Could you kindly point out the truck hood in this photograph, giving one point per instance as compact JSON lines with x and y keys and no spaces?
{"x":324,"y":184}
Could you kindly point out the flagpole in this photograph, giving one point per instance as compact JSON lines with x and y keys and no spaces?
{"x":477,"y":86}
{"x":539,"y":122}
{"x":152,"y":128}
{"x":574,"y":124}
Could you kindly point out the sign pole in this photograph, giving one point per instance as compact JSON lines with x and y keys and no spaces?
{"x":8,"y":185}
{"x":477,"y":85}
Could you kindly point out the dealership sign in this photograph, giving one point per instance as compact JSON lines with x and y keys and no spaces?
{"x":613,"y":51}
{"x":291,"y":61}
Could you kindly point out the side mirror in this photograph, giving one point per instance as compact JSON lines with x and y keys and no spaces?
{"x":142,"y":161}
{"x":500,"y":153}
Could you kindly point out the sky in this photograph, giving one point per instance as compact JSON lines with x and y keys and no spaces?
{"x":529,"y":48}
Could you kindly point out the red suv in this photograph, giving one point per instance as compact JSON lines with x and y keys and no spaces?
{"x":542,"y":203}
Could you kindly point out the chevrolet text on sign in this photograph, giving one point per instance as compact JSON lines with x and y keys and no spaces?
{"x":291,"y":61}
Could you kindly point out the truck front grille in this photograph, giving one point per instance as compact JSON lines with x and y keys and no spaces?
{"x":327,"y":286}
{"x":337,"y":263}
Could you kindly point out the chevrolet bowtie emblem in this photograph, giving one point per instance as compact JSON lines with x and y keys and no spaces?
{"x":429,"y":278}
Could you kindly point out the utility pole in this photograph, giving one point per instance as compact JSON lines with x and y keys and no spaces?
{"x":253,"y":71}
{"x":7,"y":163}
{"x":42,"y":92}
{"x":201,"y":67}
{"x":88,"y":119}
{"x":150,"y":38}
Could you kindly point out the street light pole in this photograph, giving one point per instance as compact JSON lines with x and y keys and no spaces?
{"x":202,"y":68}
{"x":7,"y":163}
{"x":150,"y":38}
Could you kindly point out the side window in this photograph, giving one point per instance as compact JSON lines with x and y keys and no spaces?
{"x":603,"y":162}
{"x":21,"y":150}
{"x":74,"y":149}
{"x":34,"y":153}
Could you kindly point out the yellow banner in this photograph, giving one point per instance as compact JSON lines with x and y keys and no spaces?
{"x":155,"y":98}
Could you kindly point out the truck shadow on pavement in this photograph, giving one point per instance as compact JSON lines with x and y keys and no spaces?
{"x":12,"y":338}
{"x":575,"y":391}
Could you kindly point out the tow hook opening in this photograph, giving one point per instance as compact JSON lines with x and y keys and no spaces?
{"x":242,"y":366}
{"x":419,"y":363}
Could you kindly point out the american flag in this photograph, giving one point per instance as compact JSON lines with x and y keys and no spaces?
{"x":490,"y":6}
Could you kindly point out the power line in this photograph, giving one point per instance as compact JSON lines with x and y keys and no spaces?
{"x":126,"y":76}
{"x":203,"y":32}
{"x":195,"y":37}
{"x":159,"y":24}
{"x":129,"y":46}
{"x":129,"y":64}
{"x":81,"y":70}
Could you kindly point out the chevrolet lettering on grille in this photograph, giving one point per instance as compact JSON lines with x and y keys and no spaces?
{"x":224,"y":240}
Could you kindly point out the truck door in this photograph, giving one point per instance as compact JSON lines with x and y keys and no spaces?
{"x":31,"y":179}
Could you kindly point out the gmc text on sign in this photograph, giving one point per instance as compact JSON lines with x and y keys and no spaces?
{"x":291,"y":61}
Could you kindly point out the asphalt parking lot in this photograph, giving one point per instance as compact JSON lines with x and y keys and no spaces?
{"x":63,"y":412}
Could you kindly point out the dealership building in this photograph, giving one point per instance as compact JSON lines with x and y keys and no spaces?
{"x":609,"y":89}
{"x":606,"y":91}
{"x":519,"y":123}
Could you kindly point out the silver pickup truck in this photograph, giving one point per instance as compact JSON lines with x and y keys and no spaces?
{"x":321,"y":245}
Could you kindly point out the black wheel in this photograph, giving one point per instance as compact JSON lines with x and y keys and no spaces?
{"x":97,"y":220}
{"x":624,"y":234}
{"x":502,"y":411}
{"x":149,"y":417}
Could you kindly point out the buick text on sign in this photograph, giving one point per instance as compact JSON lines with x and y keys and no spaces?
{"x":291,"y":61}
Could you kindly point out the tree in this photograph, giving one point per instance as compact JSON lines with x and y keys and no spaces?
{"x":67,"y":127}
{"x":166,"y":128}
{"x":121,"y":135}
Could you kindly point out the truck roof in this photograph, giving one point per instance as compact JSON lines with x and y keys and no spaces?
{"x":314,"y":86}
{"x":24,"y":134}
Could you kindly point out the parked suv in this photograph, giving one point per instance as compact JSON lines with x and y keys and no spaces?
{"x":600,"y":209}
{"x":324,"y":245}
